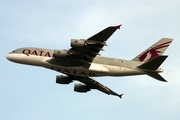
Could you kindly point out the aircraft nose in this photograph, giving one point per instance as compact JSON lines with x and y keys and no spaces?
{"x":9,"y":57}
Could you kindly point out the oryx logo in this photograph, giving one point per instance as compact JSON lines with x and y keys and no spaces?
{"x":154,"y":52}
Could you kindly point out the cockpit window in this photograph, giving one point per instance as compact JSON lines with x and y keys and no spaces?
{"x":17,"y":50}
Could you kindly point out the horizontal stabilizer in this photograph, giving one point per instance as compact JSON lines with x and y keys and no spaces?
{"x":157,"y":77}
{"x":154,"y":63}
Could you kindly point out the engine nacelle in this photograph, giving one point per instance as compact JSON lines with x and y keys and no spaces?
{"x":81,"y":88}
{"x":63,"y":79}
{"x":60,"y":53}
{"x":78,"y":43}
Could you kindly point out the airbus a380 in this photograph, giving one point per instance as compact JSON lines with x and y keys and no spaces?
{"x":82,"y":61}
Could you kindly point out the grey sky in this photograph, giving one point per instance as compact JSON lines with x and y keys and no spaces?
{"x":30,"y":93}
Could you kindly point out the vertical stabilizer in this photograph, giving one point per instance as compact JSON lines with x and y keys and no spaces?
{"x":155,"y":50}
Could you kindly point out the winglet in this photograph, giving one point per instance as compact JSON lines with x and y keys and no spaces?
{"x":120,"y":96}
{"x":118,"y":27}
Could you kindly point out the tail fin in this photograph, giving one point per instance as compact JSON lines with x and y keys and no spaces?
{"x":155,"y":50}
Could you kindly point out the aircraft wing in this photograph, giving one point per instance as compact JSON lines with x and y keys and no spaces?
{"x":104,"y":34}
{"x":86,"y":50}
{"x":93,"y":46}
{"x":93,"y":84}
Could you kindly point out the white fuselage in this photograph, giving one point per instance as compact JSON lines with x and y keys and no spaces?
{"x":101,"y":66}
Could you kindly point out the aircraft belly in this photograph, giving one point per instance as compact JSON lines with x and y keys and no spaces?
{"x":24,"y":59}
{"x":34,"y":60}
{"x":77,"y":71}
{"x":122,"y":71}
{"x":94,"y":70}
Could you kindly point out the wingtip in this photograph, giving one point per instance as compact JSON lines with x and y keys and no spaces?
{"x":119,"y":26}
{"x":121,"y":96}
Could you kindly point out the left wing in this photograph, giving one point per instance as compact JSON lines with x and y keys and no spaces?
{"x":92,"y":84}
{"x":82,"y":52}
{"x":92,"y":46}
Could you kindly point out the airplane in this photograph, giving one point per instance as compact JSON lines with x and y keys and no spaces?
{"x":82,"y":61}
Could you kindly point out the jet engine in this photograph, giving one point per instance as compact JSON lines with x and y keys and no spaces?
{"x":63,"y":79}
{"x":81,"y":88}
{"x":60,"y":53}
{"x":78,"y":43}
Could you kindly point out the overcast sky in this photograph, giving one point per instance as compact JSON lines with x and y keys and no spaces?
{"x":30,"y":93}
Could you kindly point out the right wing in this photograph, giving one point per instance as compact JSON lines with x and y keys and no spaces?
{"x":93,"y":84}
